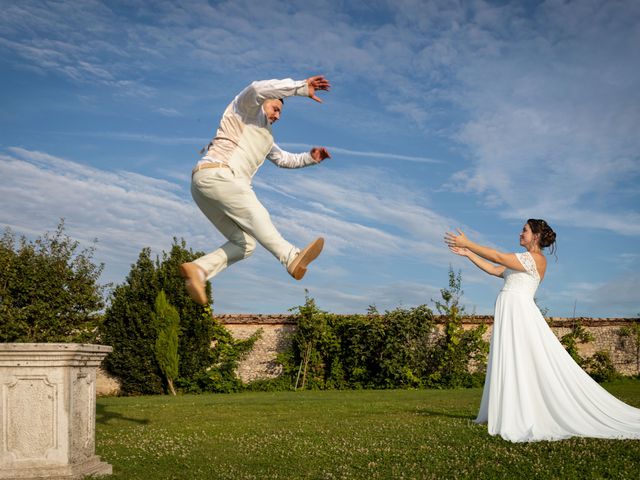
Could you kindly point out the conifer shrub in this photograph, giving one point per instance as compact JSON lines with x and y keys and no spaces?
{"x":129,"y":328}
{"x":167,"y":324}
{"x":208,"y":354}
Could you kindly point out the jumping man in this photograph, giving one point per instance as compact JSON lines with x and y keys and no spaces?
{"x":221,"y":182}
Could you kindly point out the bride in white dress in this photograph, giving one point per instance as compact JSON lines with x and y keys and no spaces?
{"x":533,"y":389}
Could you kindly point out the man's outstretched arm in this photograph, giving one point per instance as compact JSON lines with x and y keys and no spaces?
{"x":297,"y":160}
{"x":255,"y":94}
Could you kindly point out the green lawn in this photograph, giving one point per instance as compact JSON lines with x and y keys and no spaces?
{"x":339,"y":434}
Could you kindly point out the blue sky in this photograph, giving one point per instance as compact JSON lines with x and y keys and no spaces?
{"x":443,"y":114}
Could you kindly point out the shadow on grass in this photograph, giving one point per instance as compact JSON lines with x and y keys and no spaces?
{"x":103,"y":416}
{"x":440,"y":413}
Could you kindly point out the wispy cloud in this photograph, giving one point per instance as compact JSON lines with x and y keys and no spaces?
{"x":553,"y":116}
{"x":124,"y":210}
{"x":357,"y":153}
{"x":127,"y":211}
{"x":368,"y":209}
{"x":617,"y":296}
{"x":151,"y":138}
{"x":520,"y":109}
{"x":169,"y":112}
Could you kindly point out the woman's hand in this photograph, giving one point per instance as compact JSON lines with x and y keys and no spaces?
{"x":453,"y":240}
{"x":463,"y":252}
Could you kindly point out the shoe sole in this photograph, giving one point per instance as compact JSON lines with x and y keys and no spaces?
{"x":198,"y":295}
{"x":306,"y":256}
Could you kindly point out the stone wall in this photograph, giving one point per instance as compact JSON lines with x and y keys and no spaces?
{"x":261,"y":362}
{"x":106,"y":385}
{"x":276,"y":330}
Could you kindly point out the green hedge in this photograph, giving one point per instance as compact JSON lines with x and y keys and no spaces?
{"x":401,"y":348}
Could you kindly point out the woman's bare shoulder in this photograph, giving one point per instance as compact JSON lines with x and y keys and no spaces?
{"x":541,"y":263}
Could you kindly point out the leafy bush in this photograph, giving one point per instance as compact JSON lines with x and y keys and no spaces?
{"x":600,"y":367}
{"x":459,"y":356}
{"x":220,"y":375}
{"x":577,"y":334}
{"x":398,"y":349}
{"x":48,"y":289}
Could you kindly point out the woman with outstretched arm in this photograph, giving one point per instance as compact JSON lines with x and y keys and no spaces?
{"x":534,"y":390}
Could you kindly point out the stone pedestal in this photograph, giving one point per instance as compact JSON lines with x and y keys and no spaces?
{"x":47,"y":410}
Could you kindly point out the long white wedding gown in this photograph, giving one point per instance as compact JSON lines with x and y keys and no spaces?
{"x":533,"y":389}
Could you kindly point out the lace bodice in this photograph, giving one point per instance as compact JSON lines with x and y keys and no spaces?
{"x":525,"y":282}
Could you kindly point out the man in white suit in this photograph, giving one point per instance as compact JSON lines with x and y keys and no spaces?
{"x":221,"y":182}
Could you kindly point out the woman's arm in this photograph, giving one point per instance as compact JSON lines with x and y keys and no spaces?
{"x":508,"y":260}
{"x":479,"y":262}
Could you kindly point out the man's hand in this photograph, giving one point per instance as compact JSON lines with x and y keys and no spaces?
{"x":317,"y":83}
{"x":319,"y":154}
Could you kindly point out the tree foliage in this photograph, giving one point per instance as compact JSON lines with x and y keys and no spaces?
{"x":459,"y":357}
{"x":224,"y":357}
{"x":128,"y":325}
{"x":130,"y":329}
{"x":167,"y":324}
{"x":49,"y":289}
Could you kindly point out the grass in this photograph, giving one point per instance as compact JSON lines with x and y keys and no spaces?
{"x":385,"y":434}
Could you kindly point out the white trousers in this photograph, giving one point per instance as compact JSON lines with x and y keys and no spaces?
{"x":232,"y":206}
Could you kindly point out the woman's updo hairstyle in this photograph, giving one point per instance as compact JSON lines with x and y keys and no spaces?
{"x":547,"y":235}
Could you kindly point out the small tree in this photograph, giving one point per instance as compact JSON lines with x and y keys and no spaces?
{"x":167,"y":323}
{"x":459,"y":350}
{"x":196,"y":327}
{"x":49,"y":289}
{"x":127,"y":327}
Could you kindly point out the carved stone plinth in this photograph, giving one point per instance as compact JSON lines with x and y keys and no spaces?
{"x":48,"y":410}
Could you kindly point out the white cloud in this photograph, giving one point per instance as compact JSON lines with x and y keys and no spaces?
{"x":371,"y":213}
{"x":554,"y":116}
{"x":357,"y":153}
{"x":614,"y":297}
{"x":146,"y":138}
{"x":541,"y":100}
{"x":124,"y":210}
{"x":169,"y":112}
{"x":127,"y":211}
